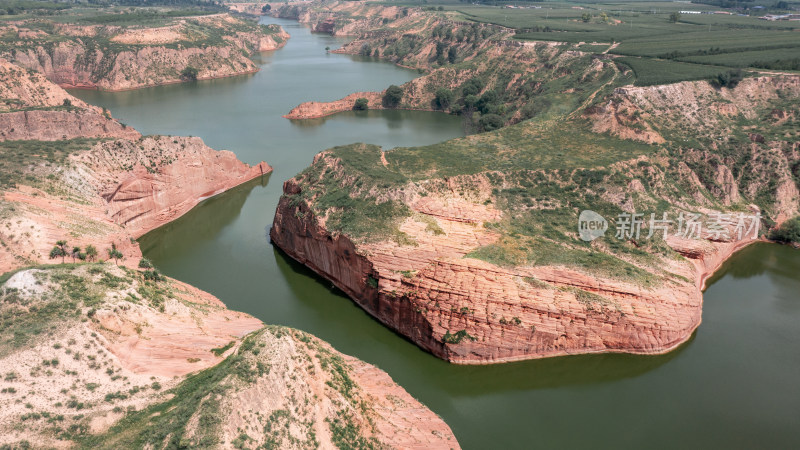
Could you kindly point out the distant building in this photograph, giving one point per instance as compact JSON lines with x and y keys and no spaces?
{"x":691,"y":12}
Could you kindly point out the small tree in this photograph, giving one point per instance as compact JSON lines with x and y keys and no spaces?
{"x":60,"y":249}
{"x":586,"y":17}
{"x":115,"y":254}
{"x":189,"y":73}
{"x":57,"y":251}
{"x":443,"y":98}
{"x":788,"y":232}
{"x":361,"y":104}
{"x":490,"y":122}
{"x":91,"y":252}
{"x":392,"y":97}
{"x":266,"y":8}
{"x":145,"y":263}
{"x":675,"y":17}
{"x":75,"y":253}
{"x":729,"y":79}
{"x":452,"y":55}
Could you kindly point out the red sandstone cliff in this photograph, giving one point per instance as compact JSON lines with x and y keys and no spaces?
{"x":313,"y":110}
{"x":427,"y":301}
{"x":181,"y":173}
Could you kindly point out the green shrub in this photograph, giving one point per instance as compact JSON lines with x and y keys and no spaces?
{"x":361,"y":104}
{"x":457,"y":337}
{"x":392,"y":96}
{"x":189,"y":73}
{"x":491,"y":122}
{"x":443,"y":98}
{"x":372,"y":282}
{"x":728,"y":79}
{"x":788,"y":232}
{"x":152,"y":275}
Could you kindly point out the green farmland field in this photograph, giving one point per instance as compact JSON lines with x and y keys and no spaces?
{"x":650,"y":71}
{"x":697,"y":46}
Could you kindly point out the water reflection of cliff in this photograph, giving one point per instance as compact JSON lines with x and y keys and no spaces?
{"x":393,"y":118}
{"x":204,"y":220}
{"x":779,"y":262}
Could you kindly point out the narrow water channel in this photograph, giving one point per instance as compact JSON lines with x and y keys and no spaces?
{"x":734,"y":385}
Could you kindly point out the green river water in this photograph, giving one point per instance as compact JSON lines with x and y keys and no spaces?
{"x":735,"y":384}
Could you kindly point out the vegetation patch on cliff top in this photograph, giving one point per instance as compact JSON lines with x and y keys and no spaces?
{"x":25,"y":161}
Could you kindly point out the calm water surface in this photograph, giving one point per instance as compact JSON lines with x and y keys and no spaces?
{"x":736,"y":384}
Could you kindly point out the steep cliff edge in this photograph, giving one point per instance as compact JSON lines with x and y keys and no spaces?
{"x":119,"y":57}
{"x":470,"y":247}
{"x":104,"y":356}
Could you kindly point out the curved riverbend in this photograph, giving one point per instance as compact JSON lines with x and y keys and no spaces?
{"x":732,"y":385}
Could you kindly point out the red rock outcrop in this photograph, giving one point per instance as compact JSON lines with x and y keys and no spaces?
{"x":313,"y":110}
{"x":434,"y":289}
{"x":427,"y":285}
{"x":58,"y":125}
{"x":144,"y":198}
{"x":153,"y":340}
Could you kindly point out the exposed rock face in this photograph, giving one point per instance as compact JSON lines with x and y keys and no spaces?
{"x":145,"y":197}
{"x":23,"y":88}
{"x":57,"y":125}
{"x":695,"y":105}
{"x":326,"y":26}
{"x":428,"y":303}
{"x":465,"y":52}
{"x":150,"y":57}
{"x":149,"y":66}
{"x":126,"y":188}
{"x":127,"y":343}
{"x":313,"y":110}
{"x":35,"y":109}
